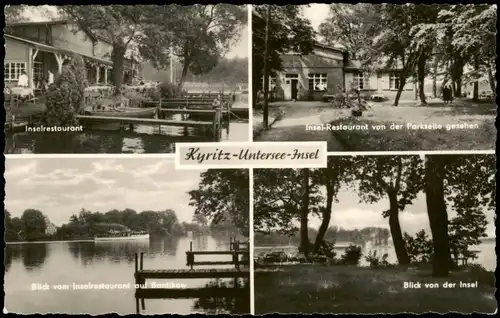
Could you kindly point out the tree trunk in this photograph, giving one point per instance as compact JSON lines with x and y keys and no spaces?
{"x":118,"y":61}
{"x":438,"y":217}
{"x":475,"y":94}
{"x":327,"y":215}
{"x":396,"y":233}
{"x":304,"y":213}
{"x":492,"y":80}
{"x":435,"y":68}
{"x":421,"y":77}
{"x":402,"y":83}
{"x":266,"y":70}
{"x":458,"y":89}
{"x":185,"y":68}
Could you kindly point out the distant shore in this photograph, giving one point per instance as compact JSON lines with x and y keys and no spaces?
{"x":48,"y":241}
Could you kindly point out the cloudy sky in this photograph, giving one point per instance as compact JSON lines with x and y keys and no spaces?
{"x":349,"y":214}
{"x":62,"y":187}
{"x":45,"y":12}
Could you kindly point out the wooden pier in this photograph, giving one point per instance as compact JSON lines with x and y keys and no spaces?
{"x":141,"y":275}
{"x":207,"y":117}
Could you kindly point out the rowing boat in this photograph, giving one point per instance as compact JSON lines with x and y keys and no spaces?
{"x":134,"y":112}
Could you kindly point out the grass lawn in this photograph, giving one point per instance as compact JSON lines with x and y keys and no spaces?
{"x":349,"y":289}
{"x":447,"y":138}
{"x":275,"y":113}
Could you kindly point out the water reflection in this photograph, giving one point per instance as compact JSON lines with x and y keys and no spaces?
{"x":142,"y":139}
{"x":226,"y":305}
{"x":103,"y":262}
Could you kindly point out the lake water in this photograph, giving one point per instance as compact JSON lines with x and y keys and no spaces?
{"x":106,"y":262}
{"x":486,"y":256}
{"x":142,"y":139}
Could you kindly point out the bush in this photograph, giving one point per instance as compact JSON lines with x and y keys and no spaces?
{"x":351,"y":256}
{"x":480,"y":274}
{"x":377,"y":261}
{"x":65,"y":98}
{"x":169,"y":90}
{"x":419,"y":248}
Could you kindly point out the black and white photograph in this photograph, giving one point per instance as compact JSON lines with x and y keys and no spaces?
{"x":375,"y":77}
{"x":377,"y":234}
{"x":124,"y":78}
{"x":101,"y":235}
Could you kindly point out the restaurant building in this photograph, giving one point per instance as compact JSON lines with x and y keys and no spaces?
{"x":39,"y":47}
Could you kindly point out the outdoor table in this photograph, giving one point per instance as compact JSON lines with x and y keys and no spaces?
{"x":378,"y":97}
{"x":22,"y":92}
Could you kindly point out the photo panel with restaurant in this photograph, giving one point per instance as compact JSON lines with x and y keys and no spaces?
{"x":80,"y":82}
{"x":397,"y":77}
{"x":376,"y":234}
{"x":125,"y":235}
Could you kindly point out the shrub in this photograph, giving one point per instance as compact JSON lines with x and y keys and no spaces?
{"x":65,"y":98}
{"x":419,"y":248}
{"x":169,"y":90}
{"x":480,"y":274}
{"x":351,"y":256}
{"x":377,"y":261}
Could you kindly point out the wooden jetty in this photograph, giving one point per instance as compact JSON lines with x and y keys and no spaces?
{"x":141,"y":275}
{"x":210,"y":118}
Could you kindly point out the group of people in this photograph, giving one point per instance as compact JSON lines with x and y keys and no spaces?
{"x":42,"y":84}
{"x":447,"y":94}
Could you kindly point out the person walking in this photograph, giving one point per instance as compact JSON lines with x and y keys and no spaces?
{"x":446,"y":94}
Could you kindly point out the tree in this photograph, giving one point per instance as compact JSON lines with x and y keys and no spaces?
{"x":199,"y":35}
{"x":223,"y":194}
{"x":351,"y":26}
{"x":34,"y":223}
{"x":14,"y":13}
{"x":338,"y":172}
{"x":470,"y":191}
{"x":123,"y":25}
{"x":288,"y":29}
{"x":473,"y":29}
{"x":278,"y":200}
{"x":304,"y":213}
{"x":465,"y":184}
{"x":438,"y":215}
{"x":397,"y":178}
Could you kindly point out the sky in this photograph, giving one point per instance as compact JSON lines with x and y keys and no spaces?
{"x":62,"y":187}
{"x":348,"y":213}
{"x":239,"y":49}
{"x":316,"y":13}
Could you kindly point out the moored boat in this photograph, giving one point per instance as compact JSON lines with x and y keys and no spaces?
{"x":133,"y":112}
{"x":121,"y":236}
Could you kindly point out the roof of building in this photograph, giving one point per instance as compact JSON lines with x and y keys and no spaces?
{"x":92,"y":34}
{"x":379,"y":65}
{"x":335,"y":47}
{"x":52,"y":48}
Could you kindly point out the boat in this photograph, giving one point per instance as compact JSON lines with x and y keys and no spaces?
{"x":134,"y":112}
{"x":121,"y":236}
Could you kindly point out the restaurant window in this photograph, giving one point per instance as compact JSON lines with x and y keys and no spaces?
{"x":393,"y":81}
{"x":317,"y":81}
{"x":272,"y":82}
{"x":12,"y":70}
{"x":360,"y":80}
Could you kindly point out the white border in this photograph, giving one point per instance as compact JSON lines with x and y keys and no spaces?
{"x":407,"y":153}
{"x":169,"y":156}
{"x":250,"y":90}
{"x":251,"y":245}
